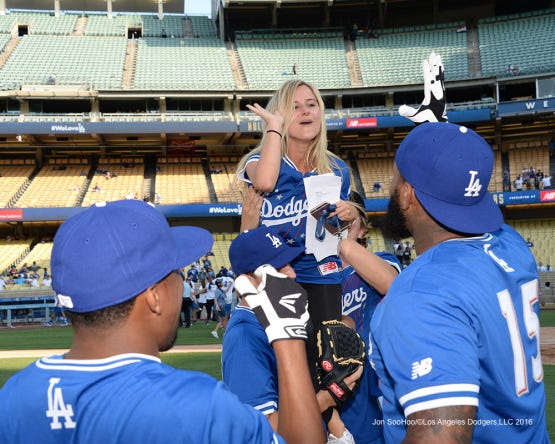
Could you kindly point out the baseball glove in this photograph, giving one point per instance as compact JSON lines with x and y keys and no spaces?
{"x":340,"y":353}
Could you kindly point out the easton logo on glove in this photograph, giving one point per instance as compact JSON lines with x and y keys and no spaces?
{"x":279,"y":303}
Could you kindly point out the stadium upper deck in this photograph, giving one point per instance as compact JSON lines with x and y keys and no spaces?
{"x":105,"y":83}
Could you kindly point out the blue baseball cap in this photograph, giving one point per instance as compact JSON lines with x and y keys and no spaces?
{"x":253,"y":248}
{"x":112,"y":252}
{"x":450,"y":166}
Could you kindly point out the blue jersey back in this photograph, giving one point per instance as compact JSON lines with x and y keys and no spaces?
{"x":285,"y":209}
{"x":460,"y":325}
{"x":127,"y":398}
{"x":249,"y":365}
{"x":362,"y":414}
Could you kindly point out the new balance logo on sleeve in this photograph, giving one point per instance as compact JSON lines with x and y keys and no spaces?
{"x":421,"y":368}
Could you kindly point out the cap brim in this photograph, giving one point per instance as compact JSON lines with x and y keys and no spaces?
{"x":285,"y":257}
{"x":193,"y":243}
{"x":483,"y":217}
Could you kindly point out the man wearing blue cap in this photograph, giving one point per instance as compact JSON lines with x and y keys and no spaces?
{"x":455,"y":342}
{"x":115,"y":270}
{"x":248,"y":362}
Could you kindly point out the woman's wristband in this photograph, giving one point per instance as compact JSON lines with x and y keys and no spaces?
{"x":274,"y":131}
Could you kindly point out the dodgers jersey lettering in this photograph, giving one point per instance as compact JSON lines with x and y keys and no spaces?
{"x":362,"y":414}
{"x":285,"y":210}
{"x":460,"y":326}
{"x":129,"y":398}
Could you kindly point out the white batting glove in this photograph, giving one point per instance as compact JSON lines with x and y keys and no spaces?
{"x":279,"y":303}
{"x":433,"y":107}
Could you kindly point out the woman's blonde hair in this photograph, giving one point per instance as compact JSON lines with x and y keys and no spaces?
{"x":283,"y":100}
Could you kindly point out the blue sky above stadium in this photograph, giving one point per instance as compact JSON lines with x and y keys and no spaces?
{"x":198,"y":7}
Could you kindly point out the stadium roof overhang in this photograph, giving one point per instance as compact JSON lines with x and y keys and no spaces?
{"x":151,"y":6}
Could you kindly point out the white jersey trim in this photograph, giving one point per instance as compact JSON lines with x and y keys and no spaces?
{"x":267,"y":407}
{"x":427,"y":391}
{"x":436,"y":403}
{"x":93,"y":365}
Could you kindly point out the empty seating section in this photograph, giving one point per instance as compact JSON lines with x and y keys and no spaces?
{"x":44,"y":23}
{"x":225,"y":184}
{"x":376,"y":240}
{"x":11,"y":180}
{"x":540,"y":233}
{"x":201,"y":26}
{"x":170,"y":25}
{"x":94,"y":61}
{"x":125,"y":182}
{"x":178,"y":183}
{"x":525,"y":156}
{"x":268,"y":61}
{"x":7,"y":23}
{"x":54,"y":186}
{"x":376,"y":169}
{"x":222,"y":241}
{"x":4,"y":39}
{"x":517,"y":42}
{"x":199,"y":64}
{"x":496,"y":181}
{"x":396,"y":59}
{"x":117,"y":25}
{"x":11,"y":252}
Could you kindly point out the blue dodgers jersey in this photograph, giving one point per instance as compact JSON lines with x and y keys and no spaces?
{"x":285,"y":210}
{"x":362,"y":414}
{"x":127,"y":398}
{"x":459,"y":326}
{"x":249,"y":366}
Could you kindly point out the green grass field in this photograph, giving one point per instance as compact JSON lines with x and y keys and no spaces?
{"x":199,"y":334}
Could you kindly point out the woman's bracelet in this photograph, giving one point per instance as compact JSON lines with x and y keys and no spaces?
{"x":274,"y":131}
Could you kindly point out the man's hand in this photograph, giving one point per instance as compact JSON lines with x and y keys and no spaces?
{"x":279,"y":303}
{"x":433,"y":107}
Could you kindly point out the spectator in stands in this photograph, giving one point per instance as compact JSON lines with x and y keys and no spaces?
{"x":19,"y":280}
{"x":506,"y":180}
{"x":157,"y":199}
{"x":96,"y":188}
{"x":513,"y":70}
{"x":546,"y":181}
{"x":2,"y":283}
{"x":519,"y":183}
{"x":47,"y":281}
{"x":24,"y":268}
{"x":45,"y":272}
{"x":286,"y":166}
{"x":541,"y":266}
{"x":377,"y":187}
{"x":548,"y":268}
{"x":294,"y":69}
{"x":529,"y":242}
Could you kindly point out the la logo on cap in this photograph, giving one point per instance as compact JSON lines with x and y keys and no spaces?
{"x":276,"y":242}
{"x":474,"y":186}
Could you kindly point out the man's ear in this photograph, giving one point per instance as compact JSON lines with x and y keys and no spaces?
{"x":406,"y":195}
{"x":152,"y":300}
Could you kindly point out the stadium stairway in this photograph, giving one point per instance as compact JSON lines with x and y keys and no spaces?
{"x":85,"y":187}
{"x":353,"y":63}
{"x":208,"y":175}
{"x":17,"y":195}
{"x":149,"y":183}
{"x":473,"y":45}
